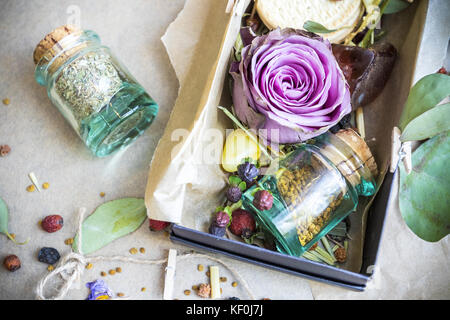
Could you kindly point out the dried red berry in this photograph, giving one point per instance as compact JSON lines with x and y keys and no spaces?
{"x":158,"y":225}
{"x":4,"y":150}
{"x":52,"y":223}
{"x":442,"y":70}
{"x":222,"y":219}
{"x":340,"y":254}
{"x":12,"y":263}
{"x":242,"y":222}
{"x":263,"y":200}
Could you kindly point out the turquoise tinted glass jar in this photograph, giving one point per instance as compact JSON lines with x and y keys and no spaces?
{"x":314,"y":188}
{"x":95,"y":93}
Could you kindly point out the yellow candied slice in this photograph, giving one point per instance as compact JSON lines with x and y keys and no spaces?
{"x":238,"y":146}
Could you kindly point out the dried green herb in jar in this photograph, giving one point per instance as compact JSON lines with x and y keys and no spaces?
{"x":91,"y":88}
{"x":88,"y":83}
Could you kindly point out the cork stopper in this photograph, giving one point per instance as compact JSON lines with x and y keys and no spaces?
{"x":51,"y":39}
{"x":360,"y":147}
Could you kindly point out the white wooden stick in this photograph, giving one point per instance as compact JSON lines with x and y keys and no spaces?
{"x":34,"y":180}
{"x":396,"y":146}
{"x":215,"y":283}
{"x":170,"y":275}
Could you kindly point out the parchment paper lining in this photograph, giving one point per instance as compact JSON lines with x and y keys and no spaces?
{"x":183,"y":192}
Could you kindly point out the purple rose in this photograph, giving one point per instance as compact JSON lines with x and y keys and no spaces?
{"x":289,"y":80}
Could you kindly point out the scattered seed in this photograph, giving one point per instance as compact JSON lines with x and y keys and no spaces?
{"x":112,"y":272}
{"x":13,"y":235}
{"x":143,"y":289}
{"x":142,"y":250}
{"x":39,"y":222}
{"x":223,"y":279}
{"x":119,"y":269}
{"x":133,"y":251}
{"x":221,"y":291}
{"x":6,"y":101}
{"x":89,"y":266}
{"x":234,"y":284}
{"x":103,"y":274}
{"x":120,"y":294}
{"x":69,"y":241}
{"x":46,"y":185}
{"x":200,"y":267}
{"x":50,"y":268}
{"x":207,"y":274}
{"x":102,"y":194}
{"x":31,"y":188}
{"x":195,"y":287}
{"x":187,"y":292}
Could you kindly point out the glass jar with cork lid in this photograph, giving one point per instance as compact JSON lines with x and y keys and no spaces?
{"x":94,"y":92}
{"x":314,"y":188}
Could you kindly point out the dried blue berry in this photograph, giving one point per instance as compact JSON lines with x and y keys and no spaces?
{"x":247,"y":172}
{"x":48,"y":255}
{"x":234,"y":194}
{"x":233,"y":298}
{"x":214,"y":229}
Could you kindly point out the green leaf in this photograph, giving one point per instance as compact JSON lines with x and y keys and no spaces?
{"x":242,"y":185}
{"x":4,"y":222}
{"x":238,"y":46}
{"x":235,"y":206}
{"x":395,"y":6}
{"x":234,"y":180}
{"x":228,"y":211}
{"x":110,"y":221}
{"x":424,"y":194}
{"x":428,"y":124}
{"x":425,"y":95}
{"x":3,"y":217}
{"x":316,"y":27}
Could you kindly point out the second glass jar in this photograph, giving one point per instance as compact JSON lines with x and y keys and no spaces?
{"x":314,"y":188}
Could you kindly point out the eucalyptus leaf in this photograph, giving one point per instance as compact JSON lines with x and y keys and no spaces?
{"x":425,"y":95}
{"x":110,"y":221}
{"x":424,"y":194}
{"x":316,"y":27}
{"x":395,"y":6}
{"x":4,"y":222}
{"x":428,"y":124}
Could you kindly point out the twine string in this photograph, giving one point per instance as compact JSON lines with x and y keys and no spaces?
{"x":71,"y":267}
